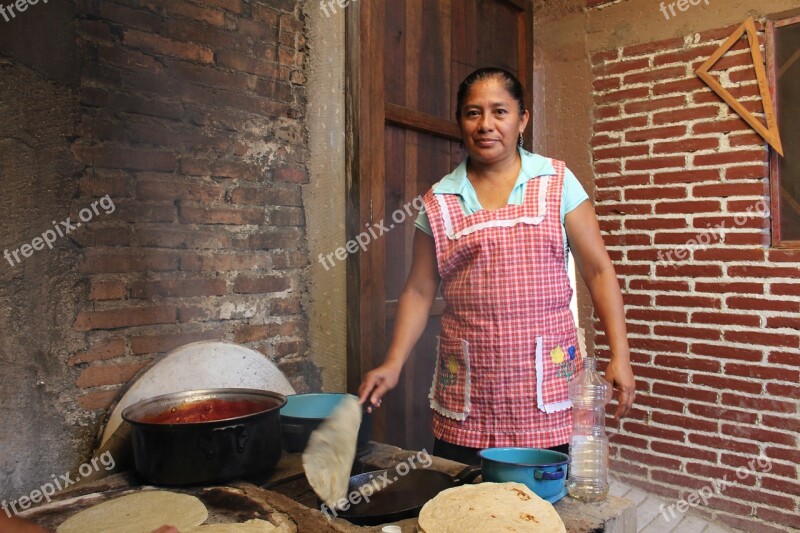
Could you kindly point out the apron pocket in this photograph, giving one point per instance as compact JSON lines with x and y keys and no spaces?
{"x":558,"y":359}
{"x":450,"y":389}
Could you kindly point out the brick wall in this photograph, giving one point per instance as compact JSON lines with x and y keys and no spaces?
{"x":192,"y":122}
{"x":712,"y":310}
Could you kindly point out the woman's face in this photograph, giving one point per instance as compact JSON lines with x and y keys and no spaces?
{"x":490,"y":122}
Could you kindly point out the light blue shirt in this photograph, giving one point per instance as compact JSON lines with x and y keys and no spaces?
{"x":533,"y":165}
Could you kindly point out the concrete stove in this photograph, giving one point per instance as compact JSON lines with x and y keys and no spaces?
{"x":286,"y":496}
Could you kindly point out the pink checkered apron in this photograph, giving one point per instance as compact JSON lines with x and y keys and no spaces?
{"x":508,"y":346}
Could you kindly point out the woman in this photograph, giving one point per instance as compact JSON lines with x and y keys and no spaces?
{"x":496,"y":234}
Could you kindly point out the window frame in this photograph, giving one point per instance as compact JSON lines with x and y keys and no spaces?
{"x":774,"y":169}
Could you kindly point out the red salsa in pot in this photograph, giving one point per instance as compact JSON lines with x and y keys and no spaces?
{"x":208,"y":411}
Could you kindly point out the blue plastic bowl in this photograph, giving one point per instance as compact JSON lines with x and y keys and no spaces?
{"x":542,"y":471}
{"x":303,"y":413}
{"x":314,"y":405}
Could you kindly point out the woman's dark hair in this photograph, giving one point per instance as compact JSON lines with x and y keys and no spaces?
{"x":509,"y":81}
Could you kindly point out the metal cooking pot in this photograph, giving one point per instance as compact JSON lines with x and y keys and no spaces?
{"x":542,"y":471}
{"x":303,"y":413}
{"x":206,"y":436}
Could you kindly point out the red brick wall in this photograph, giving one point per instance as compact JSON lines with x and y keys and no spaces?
{"x":192,"y":122}
{"x":713,"y":328}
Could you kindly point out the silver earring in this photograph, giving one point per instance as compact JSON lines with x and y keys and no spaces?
{"x":520,"y":140}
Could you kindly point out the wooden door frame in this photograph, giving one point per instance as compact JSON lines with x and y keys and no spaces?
{"x":364,"y":168}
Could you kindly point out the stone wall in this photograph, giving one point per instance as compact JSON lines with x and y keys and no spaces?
{"x":174,"y":133}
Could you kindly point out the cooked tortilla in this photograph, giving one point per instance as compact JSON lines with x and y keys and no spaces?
{"x":489,"y":507}
{"x":328,"y":458}
{"x":141,"y":512}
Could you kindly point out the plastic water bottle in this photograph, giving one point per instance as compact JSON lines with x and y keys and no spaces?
{"x":588,"y":470}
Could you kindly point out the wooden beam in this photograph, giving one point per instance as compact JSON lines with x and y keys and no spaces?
{"x":364,"y":188}
{"x":423,"y":122}
{"x":525,"y":68}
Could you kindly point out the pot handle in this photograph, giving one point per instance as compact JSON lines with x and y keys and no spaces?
{"x":206,"y":443}
{"x":467,"y":475}
{"x":548,"y":476}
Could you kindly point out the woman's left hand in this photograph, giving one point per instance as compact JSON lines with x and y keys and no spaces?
{"x":620,"y":376}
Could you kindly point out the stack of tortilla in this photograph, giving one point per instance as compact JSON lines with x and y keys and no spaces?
{"x":489,"y":507}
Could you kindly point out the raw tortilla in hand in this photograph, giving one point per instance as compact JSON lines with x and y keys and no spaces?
{"x":328,"y":458}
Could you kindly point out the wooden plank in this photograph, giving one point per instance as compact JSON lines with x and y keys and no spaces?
{"x":525,"y":52}
{"x":423,"y":122}
{"x":413,"y":51}
{"x":447,"y":91}
{"x":461,"y":24}
{"x":365,"y":189}
{"x":396,"y":172}
{"x":464,"y":48}
{"x":500,"y":41}
{"x":434,"y":61}
{"x":774,"y":161}
{"x":395,"y":51}
{"x":414,"y":30}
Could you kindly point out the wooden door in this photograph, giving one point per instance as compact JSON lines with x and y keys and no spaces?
{"x":405,"y":61}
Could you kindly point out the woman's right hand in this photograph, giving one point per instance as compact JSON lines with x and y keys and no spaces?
{"x":378,"y":382}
